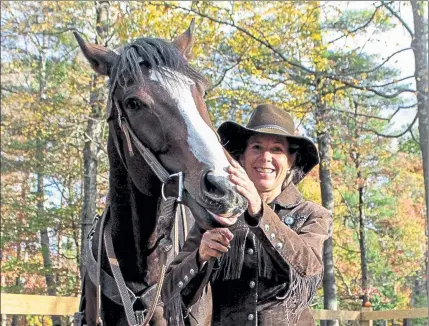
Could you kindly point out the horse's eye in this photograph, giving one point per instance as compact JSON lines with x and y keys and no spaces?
{"x":133,"y":104}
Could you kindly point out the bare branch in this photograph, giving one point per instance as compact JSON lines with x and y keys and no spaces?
{"x":402,"y":107}
{"x":349,"y":291}
{"x":358,"y":114}
{"x":405,"y":90}
{"x":394,"y":13}
{"x":380,"y":65}
{"x":357,"y":28}
{"x":393,"y":82}
{"x":409,"y":128}
{"x":221,"y":78}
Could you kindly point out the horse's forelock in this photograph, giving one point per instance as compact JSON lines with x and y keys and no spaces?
{"x":155,"y":54}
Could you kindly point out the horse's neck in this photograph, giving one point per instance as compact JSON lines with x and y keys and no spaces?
{"x":133,"y":215}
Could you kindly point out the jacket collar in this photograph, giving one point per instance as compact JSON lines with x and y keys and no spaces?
{"x":289,"y":197}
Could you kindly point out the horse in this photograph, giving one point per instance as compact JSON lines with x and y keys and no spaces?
{"x":161,"y":145}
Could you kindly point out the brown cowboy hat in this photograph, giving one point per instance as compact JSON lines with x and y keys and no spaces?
{"x":269,"y":119}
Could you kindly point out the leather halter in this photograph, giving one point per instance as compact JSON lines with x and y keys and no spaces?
{"x":165,"y":221}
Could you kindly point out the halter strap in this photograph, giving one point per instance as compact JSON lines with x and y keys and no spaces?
{"x":146,"y":153}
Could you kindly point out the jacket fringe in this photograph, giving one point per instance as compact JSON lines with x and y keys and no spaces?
{"x":173,"y":312}
{"x":231,"y":263}
{"x":299,"y":294}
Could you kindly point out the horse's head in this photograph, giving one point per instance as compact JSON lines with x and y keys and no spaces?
{"x":160,"y":98}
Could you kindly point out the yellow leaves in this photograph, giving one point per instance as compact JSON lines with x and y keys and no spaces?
{"x":316,"y":36}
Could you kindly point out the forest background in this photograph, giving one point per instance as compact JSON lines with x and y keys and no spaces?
{"x":354,"y":74}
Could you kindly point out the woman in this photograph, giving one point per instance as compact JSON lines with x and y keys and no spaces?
{"x":265,"y":268}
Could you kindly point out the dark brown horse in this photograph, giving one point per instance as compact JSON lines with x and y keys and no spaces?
{"x":158,"y":97}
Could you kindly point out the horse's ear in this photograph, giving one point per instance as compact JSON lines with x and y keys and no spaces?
{"x":185,"y":41}
{"x":100,"y":58}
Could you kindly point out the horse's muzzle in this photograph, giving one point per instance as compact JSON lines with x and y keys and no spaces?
{"x":219,"y":197}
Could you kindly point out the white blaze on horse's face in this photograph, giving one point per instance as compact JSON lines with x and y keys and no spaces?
{"x":202,"y":140}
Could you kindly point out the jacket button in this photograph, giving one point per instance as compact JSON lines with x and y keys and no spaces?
{"x":279,"y":245}
{"x":191,"y":271}
{"x":252,"y":284}
{"x":180,"y":284}
{"x":186,"y":278}
{"x":267,"y":227}
{"x":289,"y":220}
{"x":272,"y":236}
{"x":250,"y":317}
{"x":250,"y":251}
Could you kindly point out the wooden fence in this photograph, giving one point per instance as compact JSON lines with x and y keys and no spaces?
{"x":22,"y":304}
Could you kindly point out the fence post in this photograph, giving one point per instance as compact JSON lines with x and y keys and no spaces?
{"x":365,"y":322}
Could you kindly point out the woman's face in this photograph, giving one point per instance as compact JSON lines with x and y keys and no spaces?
{"x":266,"y":161}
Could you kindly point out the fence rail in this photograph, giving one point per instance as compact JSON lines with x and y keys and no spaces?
{"x":23,"y":304}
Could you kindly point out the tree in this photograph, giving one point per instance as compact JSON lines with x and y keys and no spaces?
{"x":93,"y":135}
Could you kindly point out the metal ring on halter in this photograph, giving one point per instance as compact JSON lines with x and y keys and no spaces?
{"x":179,"y":190}
{"x":162,"y":192}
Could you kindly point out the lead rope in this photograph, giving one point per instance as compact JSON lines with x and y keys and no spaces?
{"x":185,"y":221}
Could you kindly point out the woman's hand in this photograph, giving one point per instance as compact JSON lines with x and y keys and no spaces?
{"x":245,"y":187}
{"x":214,"y":243}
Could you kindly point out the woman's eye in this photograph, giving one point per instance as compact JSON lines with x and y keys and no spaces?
{"x":133,"y":104}
{"x":278,"y":150}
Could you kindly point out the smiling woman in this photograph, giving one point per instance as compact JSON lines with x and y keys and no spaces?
{"x":266,"y":268}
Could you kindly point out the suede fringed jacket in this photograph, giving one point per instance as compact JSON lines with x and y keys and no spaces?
{"x":269,"y":276}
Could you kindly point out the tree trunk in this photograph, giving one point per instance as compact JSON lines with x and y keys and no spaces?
{"x":40,"y":192}
{"x":327,"y":192}
{"x":355,"y":155}
{"x":419,"y":46}
{"x":93,"y":138}
{"x":15,"y":318}
{"x":362,"y":236}
{"x":44,"y":236}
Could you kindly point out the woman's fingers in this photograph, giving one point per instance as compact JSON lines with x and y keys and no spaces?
{"x":226,"y":233}
{"x":237,"y":180}
{"x":237,"y":170}
{"x":235,"y":164}
{"x":221,"y":235}
{"x":210,"y":253}
{"x":214,"y":243}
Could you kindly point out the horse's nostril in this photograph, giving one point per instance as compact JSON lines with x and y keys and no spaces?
{"x":215,"y":186}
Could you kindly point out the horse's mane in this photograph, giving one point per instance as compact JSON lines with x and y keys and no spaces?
{"x":154,"y":53}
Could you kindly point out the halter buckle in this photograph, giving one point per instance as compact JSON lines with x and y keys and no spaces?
{"x":179,"y":175}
